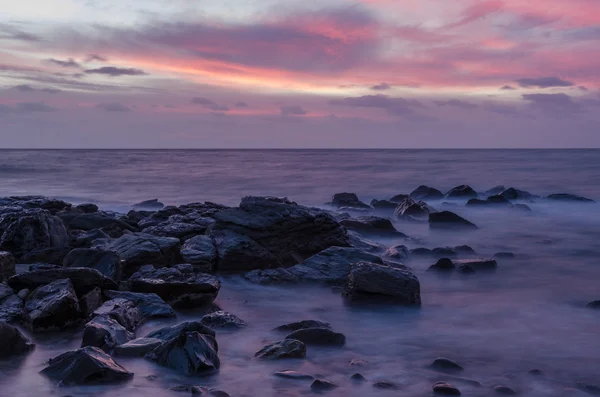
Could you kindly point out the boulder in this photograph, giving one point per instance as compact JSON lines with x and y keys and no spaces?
{"x":304,"y":324}
{"x":347,"y":200}
{"x":137,"y":347}
{"x":443,"y":265}
{"x":200,"y":251}
{"x":90,"y":302}
{"x":318,"y":336}
{"x":106,"y":262}
{"x":445,"y":365}
{"x":426,"y":193}
{"x":449,"y":220}
{"x":478,"y":264}
{"x":464,"y":250}
{"x":140,"y":249}
{"x":179,"y":289}
{"x":466,"y":269}
{"x":322,"y":385}
{"x":384,"y":205}
{"x":445,"y":389}
{"x":88,"y":238}
{"x":174,"y":331}
{"x":495,"y":190}
{"x":150,"y":305}
{"x":399,"y":198}
{"x":221,"y":319}
{"x":182,"y":227}
{"x":52,"y":306}
{"x":500,"y":389}
{"x":272,"y":276}
{"x":87,"y":208}
{"x":105,"y":333}
{"x":11,"y":305}
{"x":53,"y":206}
{"x":412,"y":208}
{"x":84,"y":279}
{"x":372,"y":281}
{"x":33,"y":235}
{"x":123,"y":311}
{"x":278,"y":233}
{"x":149,"y":205}
{"x":569,"y":197}
{"x":358,"y":377}
{"x":372,"y":225}
{"x":461,"y":192}
{"x":397,"y":252}
{"x":88,"y":365}
{"x":7,"y":265}
{"x":441,"y":252}
{"x":189,"y":353}
{"x":97,"y":220}
{"x":516,"y":194}
{"x":363,"y":244}
{"x":288,"y":348}
{"x":14,"y":343}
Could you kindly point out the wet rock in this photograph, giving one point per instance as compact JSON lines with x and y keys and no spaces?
{"x":386,"y":385}
{"x":174,"y":331}
{"x":221,"y":319}
{"x":535,"y":372}
{"x":464,"y":250}
{"x":372,"y":225}
{"x":399,"y":198}
{"x":150,"y":305}
{"x":358,"y":363}
{"x":504,"y":390}
{"x":293,"y":375}
{"x":88,"y":365}
{"x":445,"y":365}
{"x":288,"y":232}
{"x":443,"y":265}
{"x":347,"y":200}
{"x":397,"y":252}
{"x":272,"y":276}
{"x":88,"y":238}
{"x":105,"y":333}
{"x":504,"y":255}
{"x":594,"y":304}
{"x":496,"y":200}
{"x":11,"y":305}
{"x":83,"y":279}
{"x":421,"y":252}
{"x":495,"y":190}
{"x":149,"y":205}
{"x":199,"y":391}
{"x":384,"y":205}
{"x":466,"y":269}
{"x":304,"y":324}
{"x":106,"y":262}
{"x":182,"y":227}
{"x":51,"y":205}
{"x":137,"y":347}
{"x":322,"y":385}
{"x":200,"y":251}
{"x":123,"y":311}
{"x":480,"y":264}
{"x":90,"y":302}
{"x":7,"y":265}
{"x":412,"y":208}
{"x":516,"y":194}
{"x":52,"y":306}
{"x":358,"y":377}
{"x":189,"y":353}
{"x":363,"y":244}
{"x":371,"y":281}
{"x":442,"y":252}
{"x":179,"y":289}
{"x":288,"y":348}
{"x":318,"y":336}
{"x":445,"y":389}
{"x":461,"y":192}
{"x":569,"y":197}
{"x":87,"y":208}
{"x":34,"y":267}
{"x":14,"y":343}
{"x":589,"y":388}
{"x":140,"y":249}
{"x":449,"y":220}
{"x":98,"y":220}
{"x":426,"y":193}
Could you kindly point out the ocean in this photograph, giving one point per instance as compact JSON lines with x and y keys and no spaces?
{"x":529,"y":314}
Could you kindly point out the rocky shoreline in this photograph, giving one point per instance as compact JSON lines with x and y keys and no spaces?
{"x":108,"y":273}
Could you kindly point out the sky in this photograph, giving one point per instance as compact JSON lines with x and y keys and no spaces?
{"x":300,"y":74}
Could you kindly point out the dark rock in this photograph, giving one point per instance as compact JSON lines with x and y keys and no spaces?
{"x":384,"y":205}
{"x":504,"y":255}
{"x":371,"y":281}
{"x":288,"y":232}
{"x":140,"y":249}
{"x":594,"y":304}
{"x":442,"y":252}
{"x":90,"y":302}
{"x":426,"y":193}
{"x":201,"y":252}
{"x":11,"y":304}
{"x":87,"y":208}
{"x":174,"y":331}
{"x":123,"y":311}
{"x":386,"y":385}
{"x":322,"y":385}
{"x":318,"y":336}
{"x":372,"y":225}
{"x":194,"y":390}
{"x":569,"y":197}
{"x":53,"y":206}
{"x":443,"y":265}
{"x":88,"y":238}
{"x":516,"y":194}
{"x":464,"y":250}
{"x":272,"y":276}
{"x":221,"y":319}
{"x":357,"y":241}
{"x":7,"y":265}
{"x":357,"y":362}
{"x":522,"y":207}
{"x":504,"y":390}
{"x":137,"y":215}
{"x":304,"y":324}
{"x":490,"y":201}
{"x":589,"y":388}
{"x":150,"y":305}
{"x":495,"y":190}
{"x":445,"y":389}
{"x":181,"y":290}
{"x":478,"y":264}
{"x":14,"y":343}
{"x":137,"y":347}
{"x":85,"y":366}
{"x":461,"y":192}
{"x":412,"y":208}
{"x":358,"y":377}
{"x":399,"y":198}
{"x":42,"y":266}
{"x":105,"y":333}
{"x":398,"y":252}
{"x":106,"y":262}
{"x":445,"y":365}
{"x":293,"y":375}
{"x":97,"y":220}
{"x":182,"y":227}
{"x":288,"y":348}
{"x":466,"y":269}
{"x":52,"y":306}
{"x":421,"y":252}
{"x":189,"y":353}
{"x":449,"y":220}
{"x":535,"y":372}
{"x":347,"y":200}
{"x":150,"y":205}
{"x":84,"y":279}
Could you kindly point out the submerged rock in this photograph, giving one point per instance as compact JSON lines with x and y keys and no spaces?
{"x":293,"y":375}
{"x":443,"y":265}
{"x":397,"y":252}
{"x":446,"y":389}
{"x":88,"y":365}
{"x":594,"y":304}
{"x":445,"y":365}
{"x":14,"y":343}
{"x":347,"y":200}
{"x":52,"y":306}
{"x":288,"y":348}
{"x":516,"y":194}
{"x":304,"y":324}
{"x":490,"y":201}
{"x":569,"y":197}
{"x":151,"y":205}
{"x":372,"y":225}
{"x":7,"y":265}
{"x":372,"y":281}
{"x":318,"y":336}
{"x":359,"y":242}
{"x":504,"y":390}
{"x":322,"y":385}
{"x":426,"y":193}
{"x":105,"y":333}
{"x":83,"y":279}
{"x":412,"y":208}
{"x":174,"y":331}
{"x":399,"y":198}
{"x":478,"y":264}
{"x":386,"y":385}
{"x":200,"y":251}
{"x":461,"y":192}
{"x":358,"y":377}
{"x":449,"y":220}
{"x":384,"y":205}
{"x":189,"y":353}
{"x":150,"y":305}
{"x":106,"y":262}
{"x":495,"y":190}
{"x":504,"y":255}
{"x":137,"y":347}
{"x":221,"y":319}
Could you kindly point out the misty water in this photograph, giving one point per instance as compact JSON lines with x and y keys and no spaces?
{"x":529,"y":314}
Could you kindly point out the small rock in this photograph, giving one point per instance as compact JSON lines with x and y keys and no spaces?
{"x":149,"y":205}
{"x":151,"y":305}
{"x":445,"y":365}
{"x":83,"y":279}
{"x":384,"y":205}
{"x":322,"y":385}
{"x":347,"y":200}
{"x":594,"y":304}
{"x":449,"y":220}
{"x":399,"y":198}
{"x":589,"y":388}
{"x":480,"y":264}
{"x":398,"y":252}
{"x":318,"y":336}
{"x":221,"y":319}
{"x":302,"y":325}
{"x":189,"y":353}
{"x":200,"y":251}
{"x":23,"y":294}
{"x":14,"y":343}
{"x":504,"y":390}
{"x":443,"y":265}
{"x":137,"y":347}
{"x":288,"y":348}
{"x":412,"y":208}
{"x":372,"y":226}
{"x":384,"y":384}
{"x":293,"y":375}
{"x":535,"y":372}
{"x":123,"y":311}
{"x":426,"y":193}
{"x":357,"y":362}
{"x":105,"y":333}
{"x":174,"y":331}
{"x":358,"y":377}
{"x":446,"y":389}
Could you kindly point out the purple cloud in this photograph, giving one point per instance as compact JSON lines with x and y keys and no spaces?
{"x":241,"y":104}
{"x":34,"y":107}
{"x":113,"y":107}
{"x":544,"y":82}
{"x":507,"y":88}
{"x":381,"y":87}
{"x":70,"y":63}
{"x":393,"y":106}
{"x":456,"y":103}
{"x":292,"y":110}
{"x":209,"y":104}
{"x":9,"y":32}
{"x":554,"y":104}
{"x":24,"y":88}
{"x":95,"y":57}
{"x":114,"y":71}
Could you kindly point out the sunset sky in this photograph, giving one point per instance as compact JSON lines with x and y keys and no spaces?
{"x":299,"y":73}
